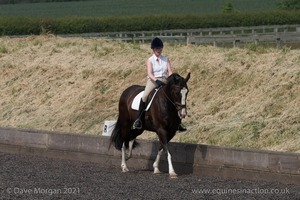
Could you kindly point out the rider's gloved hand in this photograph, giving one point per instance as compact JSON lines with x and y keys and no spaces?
{"x":159,"y":83}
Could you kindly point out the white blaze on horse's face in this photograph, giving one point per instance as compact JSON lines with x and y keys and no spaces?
{"x":182,"y":112}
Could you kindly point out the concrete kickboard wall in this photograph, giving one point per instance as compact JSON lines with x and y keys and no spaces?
{"x":198,"y":159}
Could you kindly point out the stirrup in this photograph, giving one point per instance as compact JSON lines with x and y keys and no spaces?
{"x":137,"y":124}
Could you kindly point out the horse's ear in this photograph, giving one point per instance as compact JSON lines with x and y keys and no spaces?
{"x":188,"y":77}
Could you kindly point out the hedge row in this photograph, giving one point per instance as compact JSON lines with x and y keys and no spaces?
{"x":74,"y":25}
{"x":33,"y":1}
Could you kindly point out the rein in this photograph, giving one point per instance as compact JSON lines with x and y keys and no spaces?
{"x":176,"y":105}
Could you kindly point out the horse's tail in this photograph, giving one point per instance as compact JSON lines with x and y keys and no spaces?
{"x":121,"y":133}
{"x":116,"y":137}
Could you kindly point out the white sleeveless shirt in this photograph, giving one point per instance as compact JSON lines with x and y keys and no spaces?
{"x":159,"y":66}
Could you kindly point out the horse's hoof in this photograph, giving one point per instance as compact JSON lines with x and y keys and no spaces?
{"x":125,"y":169}
{"x":173,"y":176}
{"x":157,"y":172}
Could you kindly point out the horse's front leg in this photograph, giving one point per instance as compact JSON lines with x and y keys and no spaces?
{"x":128,"y":156}
{"x":123,"y":164}
{"x":156,"y":162}
{"x":164,"y":138}
{"x":171,"y":169}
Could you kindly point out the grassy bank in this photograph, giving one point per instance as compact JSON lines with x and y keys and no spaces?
{"x":238,"y":97}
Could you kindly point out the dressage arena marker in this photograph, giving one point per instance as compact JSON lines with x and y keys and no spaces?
{"x":108,"y":127}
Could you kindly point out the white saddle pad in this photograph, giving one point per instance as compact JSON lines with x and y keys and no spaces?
{"x":136,"y":101}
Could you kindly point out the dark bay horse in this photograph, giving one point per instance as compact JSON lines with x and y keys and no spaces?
{"x":163,"y":117}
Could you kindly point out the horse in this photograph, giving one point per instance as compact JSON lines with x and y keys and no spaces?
{"x":163,"y":117}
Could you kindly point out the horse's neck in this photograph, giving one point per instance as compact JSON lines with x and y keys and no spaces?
{"x":165,"y":98}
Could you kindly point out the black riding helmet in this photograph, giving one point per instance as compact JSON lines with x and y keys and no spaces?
{"x":157,"y":43}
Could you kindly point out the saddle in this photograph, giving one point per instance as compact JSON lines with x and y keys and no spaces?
{"x":137,"y":99}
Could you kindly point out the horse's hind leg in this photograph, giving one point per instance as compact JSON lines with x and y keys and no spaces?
{"x":128,"y":156}
{"x":123,"y":164}
{"x":156,"y":162}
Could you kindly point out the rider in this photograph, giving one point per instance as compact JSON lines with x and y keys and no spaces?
{"x":158,"y":70}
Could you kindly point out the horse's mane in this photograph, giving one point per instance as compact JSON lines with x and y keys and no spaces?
{"x":173,"y":78}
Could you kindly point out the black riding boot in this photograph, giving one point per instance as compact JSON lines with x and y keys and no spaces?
{"x":138,"y":123}
{"x":181,"y":128}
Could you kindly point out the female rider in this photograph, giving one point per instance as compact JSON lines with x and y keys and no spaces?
{"x":158,"y":69}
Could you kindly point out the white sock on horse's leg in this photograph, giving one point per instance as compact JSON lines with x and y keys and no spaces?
{"x":156,"y":162}
{"x":123,"y":164}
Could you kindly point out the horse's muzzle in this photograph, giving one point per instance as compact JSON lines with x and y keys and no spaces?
{"x":182,"y":113}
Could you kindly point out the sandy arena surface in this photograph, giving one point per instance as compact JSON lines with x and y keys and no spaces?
{"x":32,"y":177}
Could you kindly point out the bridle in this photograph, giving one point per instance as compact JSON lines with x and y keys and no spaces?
{"x":178,"y":106}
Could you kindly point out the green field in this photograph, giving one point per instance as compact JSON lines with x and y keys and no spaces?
{"x":132,"y":7}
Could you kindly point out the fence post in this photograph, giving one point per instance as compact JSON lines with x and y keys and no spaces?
{"x":190,"y":40}
{"x":236,"y":43}
{"x":215,"y":43}
{"x":277,"y":43}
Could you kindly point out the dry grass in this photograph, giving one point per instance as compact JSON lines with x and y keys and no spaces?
{"x":238,"y":97}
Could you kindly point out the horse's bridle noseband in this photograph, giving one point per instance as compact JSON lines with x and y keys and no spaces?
{"x":178,"y":106}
